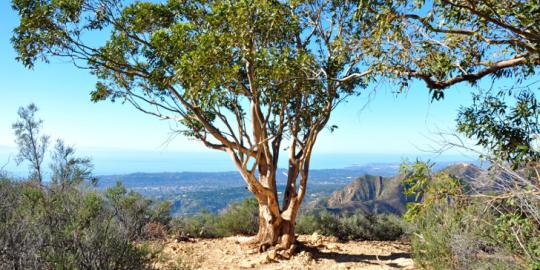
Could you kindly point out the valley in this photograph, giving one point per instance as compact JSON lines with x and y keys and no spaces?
{"x":193,"y":192}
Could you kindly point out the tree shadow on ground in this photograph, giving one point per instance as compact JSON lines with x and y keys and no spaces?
{"x":338,"y":257}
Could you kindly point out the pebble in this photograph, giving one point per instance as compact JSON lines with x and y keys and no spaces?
{"x":272,"y":254}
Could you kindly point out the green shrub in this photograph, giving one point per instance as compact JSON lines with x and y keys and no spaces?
{"x":239,"y":218}
{"x":448,"y":237}
{"x":242,"y":218}
{"x":490,"y":230}
{"x":62,"y":228}
{"x":308,"y":224}
{"x":356,"y":226}
{"x":133,"y":211}
{"x":200,"y":225}
{"x":64,"y":224}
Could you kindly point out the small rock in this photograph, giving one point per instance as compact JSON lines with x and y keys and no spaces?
{"x":332,"y":246}
{"x":316,"y":239}
{"x":330,"y":239}
{"x":272,"y":255}
{"x":305,"y":256}
{"x":285,"y":254}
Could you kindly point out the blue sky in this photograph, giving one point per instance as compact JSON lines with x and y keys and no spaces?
{"x":388,"y":125}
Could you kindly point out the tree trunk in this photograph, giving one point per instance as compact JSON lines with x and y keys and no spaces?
{"x":274,"y":230}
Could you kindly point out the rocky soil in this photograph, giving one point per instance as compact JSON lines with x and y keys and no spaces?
{"x":314,"y":252}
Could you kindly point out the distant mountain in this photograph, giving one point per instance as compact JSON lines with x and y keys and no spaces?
{"x":377,"y":194}
{"x":464,"y":171}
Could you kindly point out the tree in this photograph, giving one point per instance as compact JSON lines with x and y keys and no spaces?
{"x":68,"y":170}
{"x":32,"y":146}
{"x":445,"y":42}
{"x":243,"y":77}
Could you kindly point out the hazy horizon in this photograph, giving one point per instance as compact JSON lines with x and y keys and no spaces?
{"x":134,"y":161}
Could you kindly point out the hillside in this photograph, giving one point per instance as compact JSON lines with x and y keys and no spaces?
{"x":377,"y":194}
{"x":191,"y":192}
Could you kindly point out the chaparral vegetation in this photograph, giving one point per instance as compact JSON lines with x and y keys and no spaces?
{"x":259,"y":80}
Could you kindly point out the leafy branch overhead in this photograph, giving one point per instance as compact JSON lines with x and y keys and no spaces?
{"x":445,"y":42}
{"x":507,"y":124}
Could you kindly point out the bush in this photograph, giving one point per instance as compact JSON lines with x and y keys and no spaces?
{"x":242,"y":218}
{"x":448,"y":237}
{"x":491,"y":229}
{"x":239,"y":218}
{"x":356,"y":226}
{"x":69,"y":228}
{"x":200,"y":225}
{"x":63,"y":224}
{"x":154,"y":231}
{"x":133,"y":211}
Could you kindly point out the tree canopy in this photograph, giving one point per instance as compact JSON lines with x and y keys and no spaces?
{"x":445,"y":42}
{"x":242,"y":77}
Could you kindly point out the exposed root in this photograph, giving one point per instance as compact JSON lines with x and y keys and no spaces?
{"x":247,"y":240}
{"x":264,"y":246}
{"x":287,"y":253}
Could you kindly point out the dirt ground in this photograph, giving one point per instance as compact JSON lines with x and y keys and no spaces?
{"x":314,"y":252}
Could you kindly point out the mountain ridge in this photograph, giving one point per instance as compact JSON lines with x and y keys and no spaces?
{"x":382,"y":195}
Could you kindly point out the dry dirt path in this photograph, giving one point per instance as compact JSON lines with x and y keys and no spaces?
{"x":317,"y":252}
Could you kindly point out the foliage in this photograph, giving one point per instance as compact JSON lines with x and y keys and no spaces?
{"x":239,"y":218}
{"x":131,"y":209}
{"x":493,"y":221}
{"x":43,"y":228}
{"x":355,"y":226}
{"x":507,"y":123}
{"x":242,"y":218}
{"x":445,"y":42}
{"x":135,"y":212}
{"x":63,"y":224}
{"x":32,"y":146}
{"x":68,"y":170}
{"x":427,"y":189}
{"x":489,"y":229}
